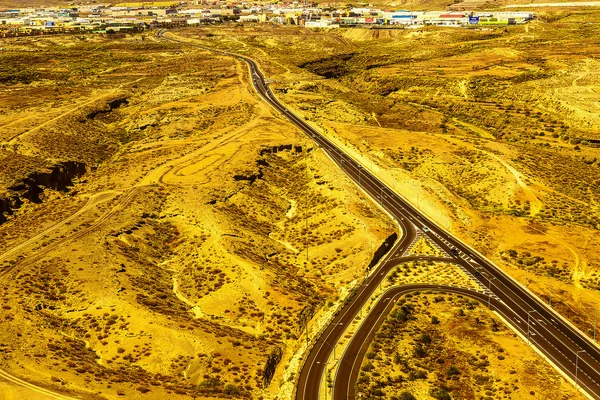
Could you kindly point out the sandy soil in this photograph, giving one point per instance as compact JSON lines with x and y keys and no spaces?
{"x":489,"y":136}
{"x":455,"y":353}
{"x":179,"y":264}
{"x":189,"y":267}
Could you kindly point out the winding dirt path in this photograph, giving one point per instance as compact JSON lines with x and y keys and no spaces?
{"x":13,"y":379}
{"x":12,"y":140}
{"x":170,"y":173}
{"x":92,"y":201}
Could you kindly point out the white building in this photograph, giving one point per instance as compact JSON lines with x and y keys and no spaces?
{"x":402,"y":17}
{"x":249,"y":18}
{"x":323,"y":23}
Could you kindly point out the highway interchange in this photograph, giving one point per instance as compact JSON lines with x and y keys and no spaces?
{"x":567,"y":348}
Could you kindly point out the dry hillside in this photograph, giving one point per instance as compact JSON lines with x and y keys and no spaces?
{"x":433,"y":344}
{"x":164,"y":232}
{"x":493,"y":133}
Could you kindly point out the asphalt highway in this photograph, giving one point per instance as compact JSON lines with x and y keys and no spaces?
{"x":571,"y":351}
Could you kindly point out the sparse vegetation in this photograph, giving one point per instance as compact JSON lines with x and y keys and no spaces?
{"x":493,"y":133}
{"x":155,"y":223}
{"x":210,"y":232}
{"x":410,"y":357}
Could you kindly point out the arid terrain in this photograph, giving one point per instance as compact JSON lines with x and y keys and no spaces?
{"x":165,"y":233}
{"x":492,"y":133}
{"x":435,"y":344}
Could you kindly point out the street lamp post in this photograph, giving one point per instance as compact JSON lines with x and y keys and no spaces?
{"x":577,"y":368}
{"x":359,"y":169}
{"x":333,"y":347}
{"x":550,"y":293}
{"x":326,"y":364}
{"x":490,"y":291}
{"x":528,"y":325}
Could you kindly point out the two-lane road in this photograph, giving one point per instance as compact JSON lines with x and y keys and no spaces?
{"x":571,"y":351}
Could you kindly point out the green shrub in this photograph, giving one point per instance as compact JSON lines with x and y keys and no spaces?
{"x":425,"y":338}
{"x":407,"y":396}
{"x":231,"y":389}
{"x":440,"y":394}
{"x":452,"y":371}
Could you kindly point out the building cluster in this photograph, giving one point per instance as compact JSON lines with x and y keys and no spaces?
{"x":419,"y":18}
{"x":132,"y":17}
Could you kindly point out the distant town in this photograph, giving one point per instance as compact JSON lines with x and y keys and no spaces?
{"x":105,"y":18}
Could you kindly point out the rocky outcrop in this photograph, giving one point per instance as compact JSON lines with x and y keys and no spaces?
{"x":7,"y":204}
{"x":250,"y":177}
{"x":282,"y":147}
{"x":262,"y":163}
{"x":271,"y":365}
{"x":59,"y":177}
{"x":111,"y":105}
{"x":383,"y":249}
{"x":330,"y":67}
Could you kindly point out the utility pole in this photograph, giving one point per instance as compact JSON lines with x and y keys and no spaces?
{"x":307,"y":206}
{"x":306,"y":219}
